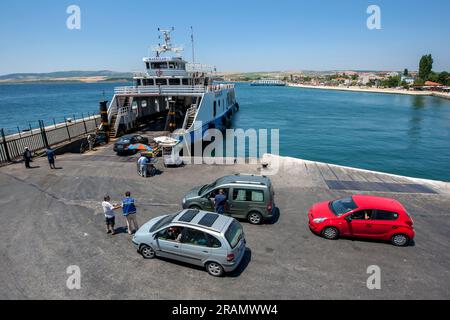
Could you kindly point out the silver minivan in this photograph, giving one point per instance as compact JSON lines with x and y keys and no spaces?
{"x":201,"y":238}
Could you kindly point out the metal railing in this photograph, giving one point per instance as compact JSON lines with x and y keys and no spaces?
{"x":12,"y":146}
{"x":160,"y":90}
{"x":171,"y":89}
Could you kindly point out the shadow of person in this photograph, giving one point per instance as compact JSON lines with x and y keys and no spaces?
{"x":121,"y":230}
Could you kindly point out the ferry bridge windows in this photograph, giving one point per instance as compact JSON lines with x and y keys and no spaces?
{"x":159,"y":65}
{"x":161,"y":82}
{"x":185,"y":81}
{"x":138,"y":82}
{"x":174,"y":82}
{"x":147,"y":65}
{"x":147,"y":82}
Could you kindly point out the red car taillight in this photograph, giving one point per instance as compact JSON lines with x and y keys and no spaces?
{"x":410,"y":223}
{"x":270,"y":206}
{"x":230,"y":257}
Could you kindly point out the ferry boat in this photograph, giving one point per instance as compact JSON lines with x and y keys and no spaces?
{"x":183,"y":92}
{"x":269,"y":82}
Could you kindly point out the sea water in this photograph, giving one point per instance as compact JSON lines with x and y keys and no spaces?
{"x":400,"y":134}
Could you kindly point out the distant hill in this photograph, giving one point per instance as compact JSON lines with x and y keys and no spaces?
{"x":77,"y":76}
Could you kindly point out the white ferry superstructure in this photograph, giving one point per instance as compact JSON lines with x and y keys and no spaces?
{"x":170,"y":86}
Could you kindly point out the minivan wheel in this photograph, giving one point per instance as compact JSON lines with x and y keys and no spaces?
{"x":400,"y":240}
{"x":147,"y":252}
{"x":330,"y":233}
{"x":214,"y":269}
{"x":255,"y":218}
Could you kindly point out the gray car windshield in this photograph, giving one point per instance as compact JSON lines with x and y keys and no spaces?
{"x":343,"y":206}
{"x":207,"y":188}
{"x":164,"y":221}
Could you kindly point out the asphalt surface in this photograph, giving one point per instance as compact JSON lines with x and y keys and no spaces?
{"x":52,"y":219}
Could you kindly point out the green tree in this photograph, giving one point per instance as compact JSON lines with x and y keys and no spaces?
{"x":406,"y":72}
{"x":425,"y":67}
{"x":443,"y":78}
{"x":391,"y":82}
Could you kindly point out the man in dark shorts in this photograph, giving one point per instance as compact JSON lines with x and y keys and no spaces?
{"x":51,"y":158}
{"x":27,"y":157}
{"x":110,"y":218}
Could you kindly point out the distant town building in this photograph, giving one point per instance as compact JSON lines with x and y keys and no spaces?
{"x":408,"y":80}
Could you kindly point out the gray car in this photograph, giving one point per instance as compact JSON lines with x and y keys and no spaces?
{"x":201,"y":238}
{"x":248,"y":197}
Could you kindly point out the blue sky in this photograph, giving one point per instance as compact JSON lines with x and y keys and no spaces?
{"x":245,"y":35}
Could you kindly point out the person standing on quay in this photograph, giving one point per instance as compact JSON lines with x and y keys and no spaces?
{"x":51,"y":158}
{"x":27,"y":157}
{"x":108,"y":210}
{"x":129,"y":212}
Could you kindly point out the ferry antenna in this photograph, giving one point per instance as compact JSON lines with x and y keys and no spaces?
{"x":193,"y":48}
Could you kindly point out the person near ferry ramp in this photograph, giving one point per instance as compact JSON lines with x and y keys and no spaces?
{"x":27,"y":157}
{"x":129,"y":212}
{"x":91,"y":141}
{"x":143,"y":166}
{"x":51,"y":157}
{"x":110,"y":218}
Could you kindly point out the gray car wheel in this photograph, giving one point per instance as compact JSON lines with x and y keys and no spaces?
{"x":214,"y":269}
{"x":330,"y":233}
{"x":147,"y":252}
{"x":255,"y":218}
{"x":400,"y":240}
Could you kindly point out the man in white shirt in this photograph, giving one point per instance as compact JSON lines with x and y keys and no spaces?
{"x":110,"y":218}
{"x":142,"y":163}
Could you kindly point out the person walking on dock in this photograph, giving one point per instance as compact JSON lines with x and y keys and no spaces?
{"x":91,"y":141}
{"x":142,"y":165}
{"x":27,"y":157}
{"x":110,"y":218}
{"x":51,"y":158}
{"x":129,"y":212}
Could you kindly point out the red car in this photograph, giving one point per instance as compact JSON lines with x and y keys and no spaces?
{"x":363,"y":217}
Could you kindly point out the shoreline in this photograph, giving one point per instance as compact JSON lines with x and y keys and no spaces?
{"x":374,"y":90}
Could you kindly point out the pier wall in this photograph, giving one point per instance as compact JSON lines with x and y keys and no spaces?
{"x":12,"y":146}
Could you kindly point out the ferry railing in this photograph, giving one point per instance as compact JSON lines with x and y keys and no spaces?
{"x":12,"y":146}
{"x":161,"y":90}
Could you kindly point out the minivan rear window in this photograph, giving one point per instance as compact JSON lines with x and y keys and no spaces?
{"x":234,"y":233}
